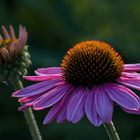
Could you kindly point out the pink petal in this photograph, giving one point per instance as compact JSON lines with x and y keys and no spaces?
{"x":137,"y":112}
{"x":37,"y":88}
{"x":123,"y":96}
{"x":51,"y":97}
{"x":90,"y":108}
{"x":23,"y":107}
{"x":63,"y":114}
{"x":43,"y":78}
{"x":130,"y":82}
{"x":55,"y":110}
{"x":132,"y":67}
{"x":12,"y":33}
{"x":104,"y":104}
{"x":34,"y":100}
{"x":75,"y":110}
{"x":22,"y":38}
{"x":130,"y":74}
{"x":5,"y":32}
{"x":52,"y":114}
{"x":28,"y":99}
{"x":47,"y":71}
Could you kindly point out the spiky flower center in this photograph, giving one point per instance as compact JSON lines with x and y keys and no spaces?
{"x":91,"y":63}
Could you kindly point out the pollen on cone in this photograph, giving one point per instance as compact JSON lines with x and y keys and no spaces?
{"x":91,"y":63}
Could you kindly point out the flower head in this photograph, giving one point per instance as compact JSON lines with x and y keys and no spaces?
{"x":14,"y":56}
{"x":91,"y":63}
{"x":92,"y":77}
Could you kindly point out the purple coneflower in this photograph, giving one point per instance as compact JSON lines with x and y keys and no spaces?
{"x":92,"y":77}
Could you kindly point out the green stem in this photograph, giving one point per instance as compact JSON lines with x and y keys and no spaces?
{"x":111,"y":131}
{"x":30,"y":119}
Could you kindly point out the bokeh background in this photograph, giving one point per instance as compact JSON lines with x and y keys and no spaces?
{"x":54,"y":26}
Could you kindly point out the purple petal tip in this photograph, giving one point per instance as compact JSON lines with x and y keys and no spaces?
{"x":15,"y":94}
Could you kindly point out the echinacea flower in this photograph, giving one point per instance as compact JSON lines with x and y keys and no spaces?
{"x":92,"y":78}
{"x":14,"y":56}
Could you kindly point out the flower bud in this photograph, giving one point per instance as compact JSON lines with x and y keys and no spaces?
{"x":14,"y":55}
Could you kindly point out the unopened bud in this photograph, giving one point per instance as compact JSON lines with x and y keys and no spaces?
{"x":14,"y":55}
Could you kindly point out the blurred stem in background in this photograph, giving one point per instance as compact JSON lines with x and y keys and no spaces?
{"x":29,"y":116}
{"x":111,"y":131}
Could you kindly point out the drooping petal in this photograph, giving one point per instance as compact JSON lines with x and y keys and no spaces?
{"x":51,"y":97}
{"x":43,"y":78}
{"x":52,"y":114}
{"x":130,"y":92}
{"x":55,"y":110}
{"x":123,"y":96}
{"x":37,"y":88}
{"x":75,"y":110}
{"x":132,"y":67}
{"x":90,"y":108}
{"x":104,"y":104}
{"x":23,"y":107}
{"x":46,"y":71}
{"x":130,"y":75}
{"x":29,"y":98}
{"x":130,"y":82}
{"x":63,"y":114}
{"x":137,"y":112}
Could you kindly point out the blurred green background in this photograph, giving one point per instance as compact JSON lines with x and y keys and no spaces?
{"x":54,"y":26}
